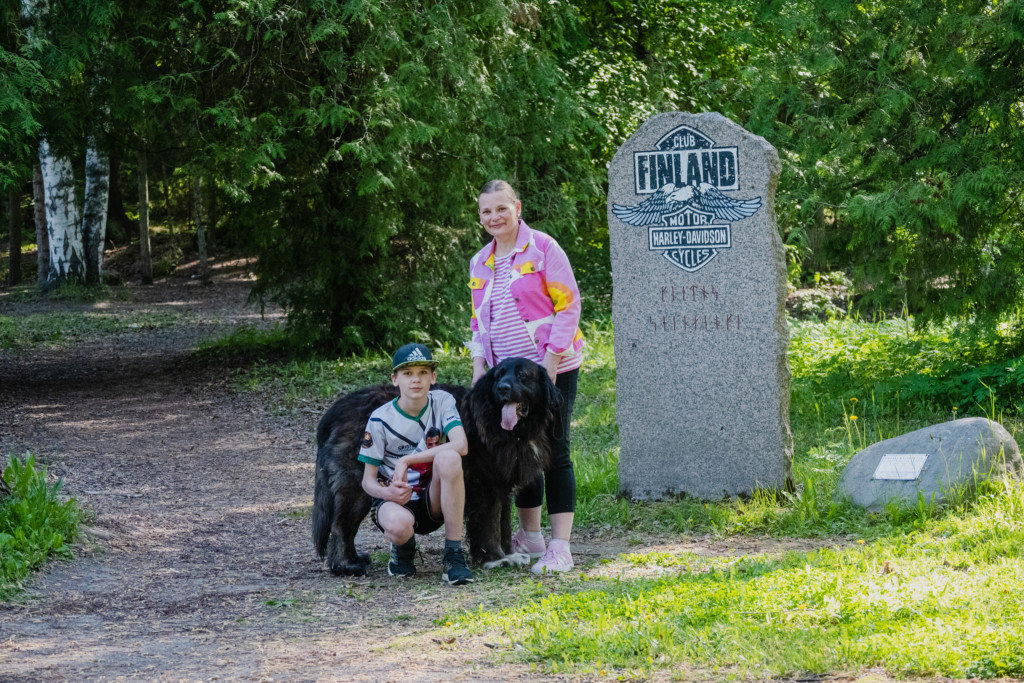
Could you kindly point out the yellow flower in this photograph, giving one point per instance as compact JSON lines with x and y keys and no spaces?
{"x":854,"y":400}
{"x":853,"y":417}
{"x":860,"y":541}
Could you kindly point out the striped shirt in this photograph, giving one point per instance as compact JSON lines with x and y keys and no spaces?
{"x":509,"y":336}
{"x":392,"y":433}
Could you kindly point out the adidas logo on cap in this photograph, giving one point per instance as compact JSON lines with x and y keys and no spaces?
{"x":413,"y":354}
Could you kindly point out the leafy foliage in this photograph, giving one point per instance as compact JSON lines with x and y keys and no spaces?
{"x":22,"y":83}
{"x":902,"y":133}
{"x":35,"y":525}
{"x":349,"y":140}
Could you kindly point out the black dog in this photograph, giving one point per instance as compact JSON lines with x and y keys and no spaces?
{"x":506,"y":415}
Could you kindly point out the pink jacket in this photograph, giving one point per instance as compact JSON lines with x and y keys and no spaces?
{"x":544,"y":289}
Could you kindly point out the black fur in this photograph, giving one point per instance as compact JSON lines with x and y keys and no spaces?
{"x":498,"y":461}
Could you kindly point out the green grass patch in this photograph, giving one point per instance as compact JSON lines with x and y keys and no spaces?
{"x":35,"y":525}
{"x":70,"y":291}
{"x":65,"y":328}
{"x":945,"y":599}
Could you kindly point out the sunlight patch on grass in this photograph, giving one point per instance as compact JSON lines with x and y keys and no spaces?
{"x":943,"y":600}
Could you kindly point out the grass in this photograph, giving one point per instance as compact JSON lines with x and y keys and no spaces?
{"x":66,"y":328}
{"x":918,"y":590}
{"x":68,"y":291}
{"x":35,"y":525}
{"x":944,"y":599}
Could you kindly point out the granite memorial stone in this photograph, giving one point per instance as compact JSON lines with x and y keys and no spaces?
{"x":933,"y":461}
{"x":699,"y":291}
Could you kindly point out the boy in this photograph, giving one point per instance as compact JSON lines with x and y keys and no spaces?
{"x":416,"y":487}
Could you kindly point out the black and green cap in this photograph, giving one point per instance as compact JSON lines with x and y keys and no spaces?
{"x":412,"y":354}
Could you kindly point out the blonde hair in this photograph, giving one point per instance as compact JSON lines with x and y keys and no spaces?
{"x":499,"y":186}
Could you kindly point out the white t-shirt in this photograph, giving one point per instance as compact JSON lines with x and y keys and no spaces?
{"x":392,"y":433}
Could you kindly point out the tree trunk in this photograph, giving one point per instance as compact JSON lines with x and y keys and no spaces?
{"x":14,"y":216}
{"x":200,"y":219}
{"x":94,"y":215}
{"x":67,"y":262}
{"x":118,"y":223}
{"x":144,"y":253}
{"x":42,"y":242}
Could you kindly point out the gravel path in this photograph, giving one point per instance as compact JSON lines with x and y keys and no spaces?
{"x":198,"y":563}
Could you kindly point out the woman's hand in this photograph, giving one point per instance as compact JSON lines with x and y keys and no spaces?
{"x":479,"y":369}
{"x":551,"y":365}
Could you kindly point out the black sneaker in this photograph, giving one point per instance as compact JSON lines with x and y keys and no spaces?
{"x":401,"y":559}
{"x":456,"y":573}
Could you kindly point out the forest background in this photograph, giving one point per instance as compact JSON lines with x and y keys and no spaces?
{"x":340,"y":147}
{"x":342,"y":144}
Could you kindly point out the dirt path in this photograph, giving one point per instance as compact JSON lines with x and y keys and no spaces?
{"x":199,"y":564}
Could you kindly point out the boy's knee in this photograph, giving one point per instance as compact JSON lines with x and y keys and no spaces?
{"x":448,"y":463}
{"x":397,"y":526}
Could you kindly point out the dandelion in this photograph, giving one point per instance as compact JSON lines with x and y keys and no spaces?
{"x":853,"y":418}
{"x":860,"y":541}
{"x":854,"y":399}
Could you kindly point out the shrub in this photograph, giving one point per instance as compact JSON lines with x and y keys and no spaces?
{"x":35,"y":525}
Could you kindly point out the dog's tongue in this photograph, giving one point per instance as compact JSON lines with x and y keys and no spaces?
{"x":509,"y":416}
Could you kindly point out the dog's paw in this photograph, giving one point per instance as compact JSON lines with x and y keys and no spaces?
{"x":358,"y":569}
{"x":511,"y":560}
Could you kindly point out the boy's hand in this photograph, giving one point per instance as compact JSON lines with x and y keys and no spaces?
{"x":399,"y":492}
{"x":401,"y":473}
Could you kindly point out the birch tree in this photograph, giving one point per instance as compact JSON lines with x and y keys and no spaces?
{"x":69,"y":41}
{"x":94,"y":214}
{"x":66,"y":258}
{"x":63,"y":224}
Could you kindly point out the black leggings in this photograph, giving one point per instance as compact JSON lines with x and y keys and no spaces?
{"x":559,"y":480}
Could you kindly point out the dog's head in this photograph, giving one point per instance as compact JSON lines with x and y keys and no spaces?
{"x":521,"y":387}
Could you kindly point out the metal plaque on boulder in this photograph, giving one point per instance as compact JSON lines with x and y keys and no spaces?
{"x":931,"y":463}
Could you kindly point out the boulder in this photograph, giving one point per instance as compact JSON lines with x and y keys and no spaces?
{"x":933,"y":461}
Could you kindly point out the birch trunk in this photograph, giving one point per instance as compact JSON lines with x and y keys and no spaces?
{"x":67,"y":261}
{"x":94,"y":215}
{"x":64,"y":229}
{"x":14,"y":214}
{"x":42,"y":242}
{"x":145,"y":255}
{"x":200,"y":219}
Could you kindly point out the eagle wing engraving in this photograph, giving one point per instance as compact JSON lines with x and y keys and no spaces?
{"x":669,"y":199}
{"x":650,"y":211}
{"x":709,"y":198}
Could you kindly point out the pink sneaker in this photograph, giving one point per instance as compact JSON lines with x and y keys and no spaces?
{"x":522,"y":544}
{"x":556,"y":559}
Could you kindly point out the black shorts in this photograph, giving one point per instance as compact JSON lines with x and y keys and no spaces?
{"x":423,"y":521}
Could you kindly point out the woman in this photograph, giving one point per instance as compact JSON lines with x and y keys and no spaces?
{"x":526,"y":304}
